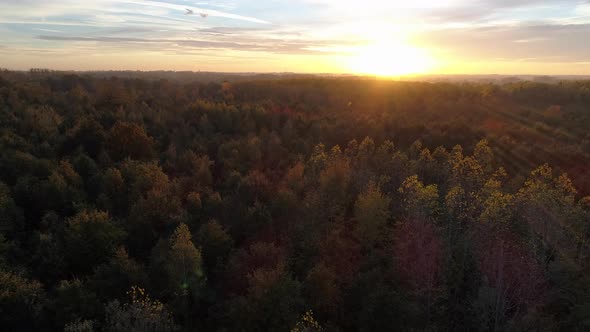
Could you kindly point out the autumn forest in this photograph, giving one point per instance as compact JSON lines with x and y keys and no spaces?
{"x":292,"y":204}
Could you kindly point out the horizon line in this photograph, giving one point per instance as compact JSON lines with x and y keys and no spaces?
{"x":284,"y":72}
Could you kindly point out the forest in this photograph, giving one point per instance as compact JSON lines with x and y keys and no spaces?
{"x":293,"y":204}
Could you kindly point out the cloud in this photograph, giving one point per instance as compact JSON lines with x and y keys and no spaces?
{"x":229,"y":31}
{"x":278,"y":46}
{"x":425,"y":12}
{"x":210,"y":12}
{"x":583,"y":9}
{"x":556,"y":42}
{"x":49,"y":30}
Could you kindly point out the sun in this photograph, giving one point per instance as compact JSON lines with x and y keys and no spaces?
{"x":389,"y":59}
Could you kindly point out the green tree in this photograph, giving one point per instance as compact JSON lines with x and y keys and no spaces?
{"x":11,"y":216}
{"x":112,"y":279}
{"x":74,"y":300}
{"x":90,"y":239}
{"x":323,"y":290}
{"x":89,"y":134}
{"x":216,"y":244}
{"x":371,"y":211}
{"x":273,"y":302}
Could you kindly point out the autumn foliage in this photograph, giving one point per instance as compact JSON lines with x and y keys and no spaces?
{"x":302,"y":204}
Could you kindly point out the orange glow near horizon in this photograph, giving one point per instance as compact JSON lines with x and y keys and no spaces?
{"x":390,"y":58}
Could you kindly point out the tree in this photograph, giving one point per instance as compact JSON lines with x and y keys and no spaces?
{"x":74,"y":300}
{"x":273,"y":302}
{"x":90,"y":239}
{"x":419,"y":201}
{"x":21,"y":302}
{"x":80,"y":326}
{"x":141,"y":314}
{"x":513,"y":281}
{"x":114,"y":192}
{"x":294,"y":179}
{"x":197,"y":167}
{"x":383,"y":158}
{"x":41,"y":122}
{"x":141,"y":178}
{"x":184,"y":262}
{"x":341,"y":251}
{"x":467,"y":172}
{"x":266,"y":296}
{"x":484,"y":156}
{"x":307,"y":323}
{"x":371,"y":212}
{"x":157,"y":212}
{"x":216,"y":244}
{"x":177,"y":274}
{"x":426,"y":166}
{"x":89,"y":134}
{"x":497,"y":208}
{"x":333,"y":188}
{"x":64,"y":189}
{"x":584,"y":229}
{"x":547,"y":205}
{"x":418,"y":252}
{"x":112,"y":279}
{"x":323,"y":290}
{"x":128,"y":140}
{"x":11,"y":217}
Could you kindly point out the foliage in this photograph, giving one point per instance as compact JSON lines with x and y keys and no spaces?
{"x":21,"y":302}
{"x":140,"y":314}
{"x":246,"y":204}
{"x":307,"y":323}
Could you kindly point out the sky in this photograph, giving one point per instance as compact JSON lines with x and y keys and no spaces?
{"x":381,"y":37}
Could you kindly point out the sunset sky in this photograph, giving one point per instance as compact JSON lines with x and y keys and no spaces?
{"x":374,"y":37}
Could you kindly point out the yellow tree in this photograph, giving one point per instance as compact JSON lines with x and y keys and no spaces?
{"x":184,"y":265}
{"x":185,"y":277}
{"x":547,"y":204}
{"x":484,"y":156}
{"x":496,"y":205}
{"x":420,"y":202}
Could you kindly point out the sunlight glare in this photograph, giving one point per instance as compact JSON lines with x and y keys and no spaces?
{"x":390,"y":59}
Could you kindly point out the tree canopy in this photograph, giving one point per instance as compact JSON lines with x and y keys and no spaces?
{"x":307,"y":204}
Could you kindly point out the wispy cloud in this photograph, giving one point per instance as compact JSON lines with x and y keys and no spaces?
{"x":49,"y":30}
{"x":243,"y":44}
{"x":209,"y":12}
